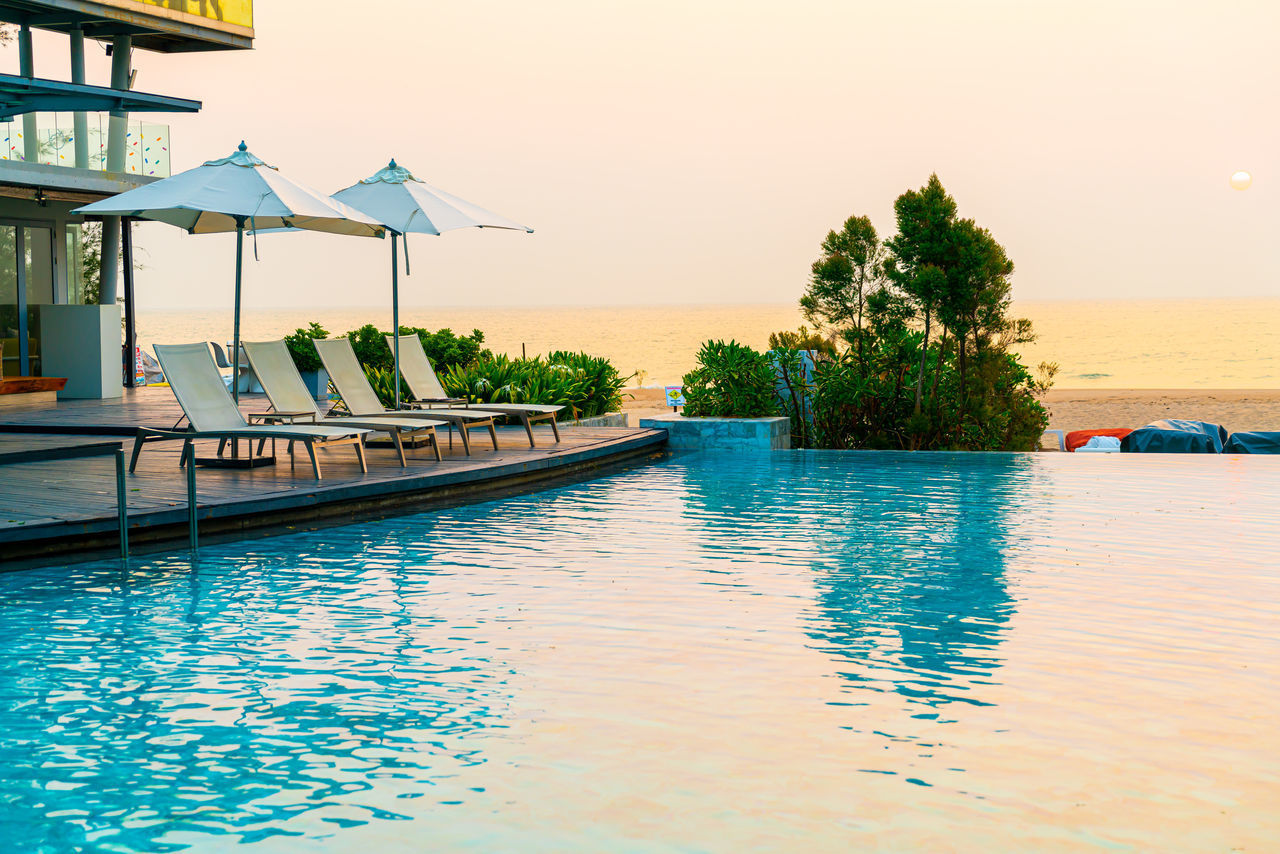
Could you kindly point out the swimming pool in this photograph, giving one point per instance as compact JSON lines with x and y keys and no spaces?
{"x":797,"y":651}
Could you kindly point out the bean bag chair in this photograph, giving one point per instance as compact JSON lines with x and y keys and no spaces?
{"x":1176,"y":436}
{"x":1080,"y":438}
{"x":1252,"y":443}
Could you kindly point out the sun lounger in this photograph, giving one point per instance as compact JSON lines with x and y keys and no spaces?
{"x":1255,"y":442}
{"x":1099,"y":445}
{"x":361,"y":400}
{"x":425,"y":387}
{"x":290,"y":399}
{"x":1077,"y":439}
{"x":1175,"y":436}
{"x":212,"y":413}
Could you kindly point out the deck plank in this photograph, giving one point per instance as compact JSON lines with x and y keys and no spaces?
{"x":41,"y":503}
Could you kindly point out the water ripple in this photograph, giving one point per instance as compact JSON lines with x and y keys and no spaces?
{"x":813,"y":650}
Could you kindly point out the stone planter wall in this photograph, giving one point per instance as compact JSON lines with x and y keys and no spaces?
{"x":610,"y":419}
{"x":722,"y":434}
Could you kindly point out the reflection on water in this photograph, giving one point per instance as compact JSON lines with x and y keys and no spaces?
{"x":908,"y":572}
{"x":911,"y":584}
{"x":229,"y":698}
{"x":796,"y":651}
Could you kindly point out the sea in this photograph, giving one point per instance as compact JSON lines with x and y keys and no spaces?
{"x":1139,"y":344}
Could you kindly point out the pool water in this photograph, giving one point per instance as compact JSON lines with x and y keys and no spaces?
{"x":800,"y":651}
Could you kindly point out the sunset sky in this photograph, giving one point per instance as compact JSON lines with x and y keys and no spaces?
{"x":697,"y":152}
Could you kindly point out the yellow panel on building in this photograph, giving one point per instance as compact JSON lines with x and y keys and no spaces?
{"x":237,"y":13}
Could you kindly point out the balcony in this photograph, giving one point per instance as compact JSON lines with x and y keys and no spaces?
{"x":146,"y":143}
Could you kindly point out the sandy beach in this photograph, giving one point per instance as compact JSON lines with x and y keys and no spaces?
{"x":1082,"y":409}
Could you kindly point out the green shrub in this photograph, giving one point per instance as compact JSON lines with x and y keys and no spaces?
{"x":801,"y":340}
{"x":443,"y":348}
{"x":730,"y":381}
{"x":302,"y":350}
{"x":370,"y":347}
{"x":585,"y":385}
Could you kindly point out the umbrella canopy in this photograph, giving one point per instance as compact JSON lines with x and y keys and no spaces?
{"x":225,"y":194}
{"x":404,"y":204}
{"x":228,"y":194}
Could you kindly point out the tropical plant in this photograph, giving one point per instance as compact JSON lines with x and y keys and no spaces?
{"x":304,"y":354}
{"x":731,"y":380}
{"x":585,"y":385}
{"x":382,"y":381}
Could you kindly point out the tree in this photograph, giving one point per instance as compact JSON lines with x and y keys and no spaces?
{"x":850,"y":268}
{"x":922,"y":252}
{"x":976,"y":296}
{"x":926,"y":319}
{"x":91,"y":263}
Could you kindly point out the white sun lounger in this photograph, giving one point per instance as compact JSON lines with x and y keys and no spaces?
{"x":275,"y":370}
{"x":426,"y":389}
{"x":212,"y":413}
{"x":361,"y":400}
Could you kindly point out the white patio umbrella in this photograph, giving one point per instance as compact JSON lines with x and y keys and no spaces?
{"x":228,"y":194}
{"x":404,"y":204}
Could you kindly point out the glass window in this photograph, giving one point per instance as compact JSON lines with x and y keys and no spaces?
{"x":75,"y":265}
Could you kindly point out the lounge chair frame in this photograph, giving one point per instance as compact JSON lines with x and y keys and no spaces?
{"x":151,"y":434}
{"x":291,"y":401}
{"x":212,"y":414}
{"x":348,"y":377}
{"x":427,"y":390}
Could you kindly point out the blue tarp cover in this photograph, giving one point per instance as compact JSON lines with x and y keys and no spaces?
{"x":1175,"y":436}
{"x":1252,"y":443}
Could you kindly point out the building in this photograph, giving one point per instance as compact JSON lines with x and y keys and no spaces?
{"x":68,"y":143}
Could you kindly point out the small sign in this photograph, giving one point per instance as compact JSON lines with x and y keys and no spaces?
{"x":139,"y":370}
{"x":675,"y":395}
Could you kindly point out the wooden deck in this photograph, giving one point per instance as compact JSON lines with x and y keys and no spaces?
{"x":59,"y":511}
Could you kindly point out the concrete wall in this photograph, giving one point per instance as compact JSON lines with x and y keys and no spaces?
{"x":723,"y":434}
{"x":82,"y":343}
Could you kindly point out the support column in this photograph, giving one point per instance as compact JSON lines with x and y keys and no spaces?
{"x":121,"y":47}
{"x":80,"y":127}
{"x":130,"y":327}
{"x":27,"y":68}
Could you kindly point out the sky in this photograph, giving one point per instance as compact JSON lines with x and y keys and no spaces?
{"x":670,"y":151}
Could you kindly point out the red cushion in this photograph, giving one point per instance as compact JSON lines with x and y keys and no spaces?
{"x":1080,"y":438}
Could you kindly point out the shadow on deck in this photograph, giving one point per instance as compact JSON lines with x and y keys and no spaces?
{"x":66,"y":510}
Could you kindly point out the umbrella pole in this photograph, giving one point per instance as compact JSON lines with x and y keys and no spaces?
{"x":235,"y":338}
{"x":395,"y":317}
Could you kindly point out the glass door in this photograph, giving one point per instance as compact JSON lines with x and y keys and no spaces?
{"x":26,"y":284}
{"x":37,"y":276}
{"x":11,"y":307}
